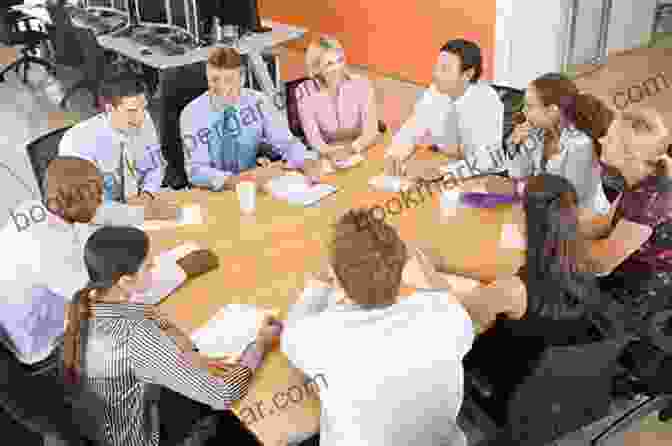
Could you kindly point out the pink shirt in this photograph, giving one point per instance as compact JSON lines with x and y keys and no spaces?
{"x":322,"y":116}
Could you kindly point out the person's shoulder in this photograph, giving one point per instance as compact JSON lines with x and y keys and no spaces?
{"x":194,"y":106}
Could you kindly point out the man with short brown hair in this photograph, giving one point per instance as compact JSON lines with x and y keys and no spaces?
{"x":222,"y":129}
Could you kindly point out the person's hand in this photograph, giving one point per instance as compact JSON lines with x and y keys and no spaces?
{"x":427,"y":170}
{"x":521,"y":132}
{"x":340,"y":155}
{"x":198,"y":262}
{"x":154,"y":313}
{"x":499,"y":185}
{"x":394,"y":166}
{"x":514,"y":296}
{"x":665,"y":161}
{"x":266,"y":333}
{"x":312,"y":169}
{"x":141,"y":200}
{"x":262,"y":161}
{"x":161,"y":210}
{"x":262,"y":175}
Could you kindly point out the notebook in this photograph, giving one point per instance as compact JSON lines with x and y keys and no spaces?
{"x":167,"y":276}
{"x":296,"y":190}
{"x":230,"y":330}
{"x":190,"y":215}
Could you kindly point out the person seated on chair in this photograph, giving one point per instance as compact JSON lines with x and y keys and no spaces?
{"x":224,"y":128}
{"x":124,"y":347}
{"x":457,"y":115}
{"x":351,"y":327}
{"x":560,"y":136}
{"x":341,"y":116}
{"x":633,"y":245}
{"x":123,"y":144}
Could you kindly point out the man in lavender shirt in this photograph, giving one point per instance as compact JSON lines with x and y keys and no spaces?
{"x":222,"y":129}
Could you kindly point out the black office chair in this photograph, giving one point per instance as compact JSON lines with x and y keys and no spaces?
{"x":78,"y":48}
{"x":30,"y":38}
{"x":42,"y":151}
{"x":179,"y":87}
{"x":512,"y":99}
{"x":542,"y":392}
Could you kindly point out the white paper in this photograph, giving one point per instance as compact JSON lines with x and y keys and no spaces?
{"x":190,"y":215}
{"x":512,"y":238}
{"x":450,"y":202}
{"x":387,"y":183}
{"x":229,"y":331}
{"x":350,"y":162}
{"x":296,"y":190}
{"x":167,"y":276}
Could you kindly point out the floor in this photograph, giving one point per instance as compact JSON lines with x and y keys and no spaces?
{"x":26,"y":112}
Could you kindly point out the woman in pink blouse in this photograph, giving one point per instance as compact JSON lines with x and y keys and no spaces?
{"x":337,"y":110}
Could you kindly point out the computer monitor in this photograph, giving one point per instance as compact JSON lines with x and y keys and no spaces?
{"x":152,"y":11}
{"x":120,"y":5}
{"x":99,"y":3}
{"x":243,"y":13}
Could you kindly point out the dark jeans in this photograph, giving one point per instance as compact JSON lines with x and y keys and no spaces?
{"x":185,"y":422}
{"x":37,"y":398}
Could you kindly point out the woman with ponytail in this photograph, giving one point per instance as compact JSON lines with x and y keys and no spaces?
{"x":559,"y":135}
{"x":117,"y":348}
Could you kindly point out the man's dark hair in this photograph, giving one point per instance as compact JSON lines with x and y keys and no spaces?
{"x":120,"y":86}
{"x":469,"y":54}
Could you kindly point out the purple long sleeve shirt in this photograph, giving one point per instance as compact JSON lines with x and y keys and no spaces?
{"x":220,"y":144}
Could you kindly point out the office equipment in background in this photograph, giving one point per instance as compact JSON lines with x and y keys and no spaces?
{"x":152,"y":11}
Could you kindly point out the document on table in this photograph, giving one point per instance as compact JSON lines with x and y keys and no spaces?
{"x":296,"y":190}
{"x":167,"y":276}
{"x":229,"y":331}
{"x":387,"y":183}
{"x":190,"y":215}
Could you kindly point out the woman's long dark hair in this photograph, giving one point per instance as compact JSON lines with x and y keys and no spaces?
{"x":557,"y":270}
{"x":109,"y":254}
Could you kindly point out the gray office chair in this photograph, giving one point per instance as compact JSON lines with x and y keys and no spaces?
{"x":42,"y":151}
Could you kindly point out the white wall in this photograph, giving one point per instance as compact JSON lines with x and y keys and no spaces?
{"x":532,"y":34}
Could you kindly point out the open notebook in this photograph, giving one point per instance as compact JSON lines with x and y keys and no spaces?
{"x":296,"y":190}
{"x":230,"y":330}
{"x":166,"y":278}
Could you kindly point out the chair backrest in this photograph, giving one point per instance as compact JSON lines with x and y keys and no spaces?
{"x":180,"y":86}
{"x":42,"y":151}
{"x":569,"y":388}
{"x":510,"y":97}
{"x":63,"y":34}
{"x":292,"y":104}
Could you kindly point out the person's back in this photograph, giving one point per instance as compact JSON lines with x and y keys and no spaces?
{"x":383,"y":379}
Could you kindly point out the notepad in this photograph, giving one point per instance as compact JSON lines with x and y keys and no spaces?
{"x":190,"y":215}
{"x":387,"y":183}
{"x":229,"y":331}
{"x":349,"y":162}
{"x":296,"y":190}
{"x":167,"y":276}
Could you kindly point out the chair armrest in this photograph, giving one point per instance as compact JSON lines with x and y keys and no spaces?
{"x":478,"y":383}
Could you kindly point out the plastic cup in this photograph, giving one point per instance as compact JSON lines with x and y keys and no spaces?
{"x":247,"y":194}
{"x":450,"y":201}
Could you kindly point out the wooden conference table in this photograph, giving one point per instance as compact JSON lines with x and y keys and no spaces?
{"x":264,"y":259}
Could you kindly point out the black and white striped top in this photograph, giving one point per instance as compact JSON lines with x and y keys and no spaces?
{"x":122,"y":353}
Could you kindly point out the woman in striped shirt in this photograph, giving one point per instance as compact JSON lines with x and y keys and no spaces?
{"x":123,"y":351}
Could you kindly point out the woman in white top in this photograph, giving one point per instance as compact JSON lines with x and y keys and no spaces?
{"x":560,"y":137}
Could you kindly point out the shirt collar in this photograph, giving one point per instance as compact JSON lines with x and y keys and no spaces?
{"x":119,"y":310}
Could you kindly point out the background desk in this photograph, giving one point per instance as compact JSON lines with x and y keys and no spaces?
{"x":264,"y":258}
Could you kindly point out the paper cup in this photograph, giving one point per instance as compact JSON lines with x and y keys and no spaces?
{"x":247,"y":194}
{"x":450,"y":201}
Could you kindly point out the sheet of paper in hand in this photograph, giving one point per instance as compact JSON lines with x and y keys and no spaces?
{"x":480,"y":161}
{"x":230,"y":330}
{"x":296,"y":190}
{"x":190,"y":215}
{"x":387,"y":183}
{"x":641,"y":77}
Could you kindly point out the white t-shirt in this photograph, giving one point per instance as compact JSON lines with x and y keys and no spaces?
{"x":388,"y":376}
{"x":478,"y":116}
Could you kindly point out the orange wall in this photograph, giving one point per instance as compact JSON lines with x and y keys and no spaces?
{"x":391,"y":36}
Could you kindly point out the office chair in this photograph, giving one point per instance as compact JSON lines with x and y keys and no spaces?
{"x":30,"y":38}
{"x":511,"y":98}
{"x":78,"y":48}
{"x":543,"y":392}
{"x":40,"y":153}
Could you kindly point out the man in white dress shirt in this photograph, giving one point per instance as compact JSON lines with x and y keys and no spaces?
{"x":457,"y":114}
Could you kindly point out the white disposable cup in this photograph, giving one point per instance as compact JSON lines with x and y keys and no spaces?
{"x":450,"y":201}
{"x":247,"y":194}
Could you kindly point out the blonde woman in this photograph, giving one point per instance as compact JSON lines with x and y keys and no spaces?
{"x":337,"y":110}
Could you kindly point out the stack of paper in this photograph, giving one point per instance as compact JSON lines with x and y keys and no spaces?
{"x":228,"y":332}
{"x":296,"y":190}
{"x":190,"y":215}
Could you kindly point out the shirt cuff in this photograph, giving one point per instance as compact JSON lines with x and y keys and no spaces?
{"x":217,"y":182}
{"x":251,"y":357}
